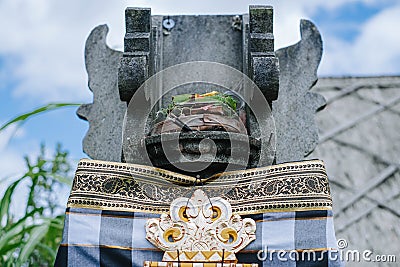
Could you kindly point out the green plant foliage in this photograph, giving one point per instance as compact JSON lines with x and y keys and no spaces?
{"x":24,"y":117}
{"x":228,"y":100}
{"x":31,"y":235}
{"x":32,"y":239}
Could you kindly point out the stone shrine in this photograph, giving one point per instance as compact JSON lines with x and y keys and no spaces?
{"x":197,"y":139}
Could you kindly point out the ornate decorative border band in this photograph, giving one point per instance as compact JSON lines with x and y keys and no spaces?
{"x":129,"y":187}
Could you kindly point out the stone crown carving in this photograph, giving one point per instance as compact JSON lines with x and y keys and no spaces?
{"x":200,"y":224}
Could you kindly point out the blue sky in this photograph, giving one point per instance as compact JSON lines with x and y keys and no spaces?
{"x":42,"y":43}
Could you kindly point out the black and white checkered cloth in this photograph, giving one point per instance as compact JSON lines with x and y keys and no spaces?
{"x":95,"y":235}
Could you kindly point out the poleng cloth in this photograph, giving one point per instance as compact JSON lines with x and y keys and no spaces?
{"x":110,"y":203}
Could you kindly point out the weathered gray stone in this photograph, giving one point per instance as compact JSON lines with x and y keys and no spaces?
{"x":137,"y":19}
{"x":103,"y":140}
{"x":265,"y":73}
{"x":151,"y":49}
{"x":244,"y":42}
{"x":263,"y":65}
{"x":261,"y":19}
{"x":132,"y":73}
{"x":135,"y":66}
{"x":294,"y":111}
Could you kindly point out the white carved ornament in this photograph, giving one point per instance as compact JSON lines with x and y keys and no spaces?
{"x":200,"y":224}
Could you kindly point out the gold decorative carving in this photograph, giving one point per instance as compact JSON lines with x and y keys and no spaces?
{"x":128,"y":187}
{"x":200,"y":229}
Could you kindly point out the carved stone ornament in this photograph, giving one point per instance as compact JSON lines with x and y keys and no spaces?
{"x":200,"y":229}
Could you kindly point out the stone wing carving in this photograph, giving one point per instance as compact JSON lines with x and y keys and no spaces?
{"x":294,"y":111}
{"x":103,"y":141}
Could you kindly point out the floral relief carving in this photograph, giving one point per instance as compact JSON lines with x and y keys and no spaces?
{"x":200,"y":224}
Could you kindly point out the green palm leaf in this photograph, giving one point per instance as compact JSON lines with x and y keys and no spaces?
{"x":6,"y":200}
{"x":35,"y":237}
{"x":16,"y":231}
{"x":22,"y":118}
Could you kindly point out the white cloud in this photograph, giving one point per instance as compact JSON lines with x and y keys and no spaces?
{"x":43,"y":40}
{"x":46,"y":41}
{"x":11,"y":163}
{"x":377,"y":46}
{"x":12,"y":131}
{"x":374,"y":51}
{"x":15,"y":144}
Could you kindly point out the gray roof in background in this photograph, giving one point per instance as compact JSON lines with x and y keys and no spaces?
{"x":360,"y":143}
